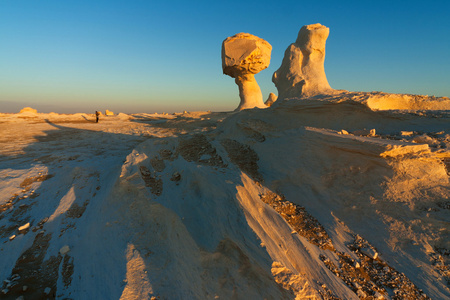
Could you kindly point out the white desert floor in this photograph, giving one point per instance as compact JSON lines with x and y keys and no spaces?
{"x":298,"y":201}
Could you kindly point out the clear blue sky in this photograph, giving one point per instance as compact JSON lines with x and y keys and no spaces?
{"x":145,"y":56}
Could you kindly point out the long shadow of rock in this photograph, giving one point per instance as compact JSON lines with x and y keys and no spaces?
{"x":182,"y":123}
{"x":71,"y":192}
{"x":64,"y":175}
{"x":197,"y":220}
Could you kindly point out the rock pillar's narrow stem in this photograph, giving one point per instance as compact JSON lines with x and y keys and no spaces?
{"x":249,"y":92}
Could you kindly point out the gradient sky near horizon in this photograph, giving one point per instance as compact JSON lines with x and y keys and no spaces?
{"x":164,"y":56}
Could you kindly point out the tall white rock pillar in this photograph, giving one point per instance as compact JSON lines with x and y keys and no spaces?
{"x":302,"y":72}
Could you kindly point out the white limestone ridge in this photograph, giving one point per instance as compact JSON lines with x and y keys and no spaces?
{"x":302,"y":72}
{"x":243,"y":56}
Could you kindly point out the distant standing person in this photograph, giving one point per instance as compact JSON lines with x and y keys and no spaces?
{"x":97,"y":114}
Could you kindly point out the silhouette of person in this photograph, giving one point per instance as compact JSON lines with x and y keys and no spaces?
{"x":97,"y":114}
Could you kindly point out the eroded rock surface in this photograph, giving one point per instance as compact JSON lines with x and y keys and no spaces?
{"x":302,"y":72}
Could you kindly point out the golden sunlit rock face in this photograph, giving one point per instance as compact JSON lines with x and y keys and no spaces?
{"x":302,"y":72}
{"x":384,"y":101}
{"x":243,"y":56}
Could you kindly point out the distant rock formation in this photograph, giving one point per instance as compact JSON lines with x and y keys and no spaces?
{"x":109,"y":113}
{"x":272,"y":98}
{"x":28,"y":110}
{"x":243,"y":56}
{"x":302,"y":72}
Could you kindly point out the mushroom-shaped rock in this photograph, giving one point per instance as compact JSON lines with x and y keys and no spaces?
{"x":302,"y":72}
{"x":243,"y":56}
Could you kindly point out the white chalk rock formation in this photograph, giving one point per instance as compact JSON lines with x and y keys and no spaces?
{"x":28,"y":110}
{"x":272,"y":98}
{"x":109,"y":113}
{"x":302,"y":72}
{"x":243,"y":56}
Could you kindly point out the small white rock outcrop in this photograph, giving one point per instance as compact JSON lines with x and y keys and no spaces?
{"x":28,"y":110}
{"x":243,"y":56}
{"x":271,"y":100}
{"x":302,"y":72}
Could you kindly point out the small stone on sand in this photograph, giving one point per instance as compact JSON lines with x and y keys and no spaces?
{"x":64,"y":250}
{"x":24,"y":227}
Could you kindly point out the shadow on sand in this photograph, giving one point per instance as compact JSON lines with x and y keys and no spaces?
{"x":66,"y":173}
{"x":68,"y":179}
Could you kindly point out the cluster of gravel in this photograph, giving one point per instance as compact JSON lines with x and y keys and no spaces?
{"x":440,"y":259}
{"x":368,"y":276}
{"x":299,"y":219}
